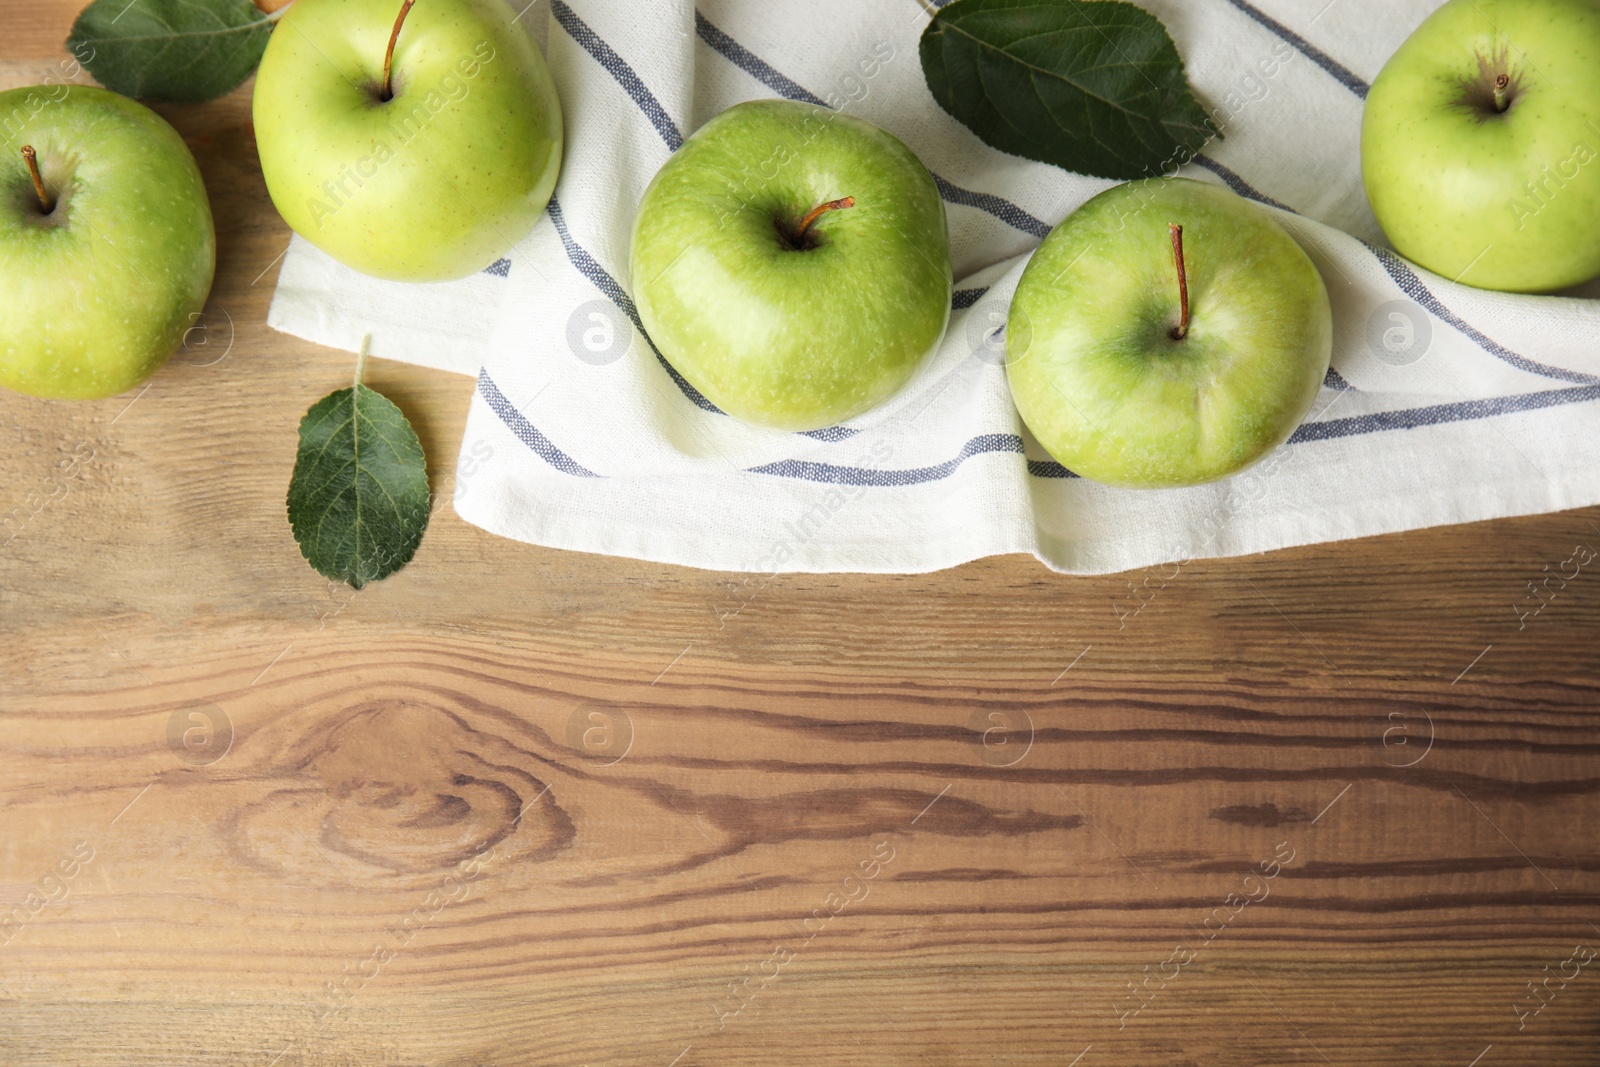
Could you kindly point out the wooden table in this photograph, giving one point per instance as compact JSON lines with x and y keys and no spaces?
{"x":517,"y":806}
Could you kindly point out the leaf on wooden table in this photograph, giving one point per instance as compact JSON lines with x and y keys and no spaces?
{"x":1095,"y":87}
{"x":358,"y":499}
{"x":182,"y":51}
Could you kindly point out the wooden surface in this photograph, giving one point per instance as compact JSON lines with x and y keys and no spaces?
{"x":517,"y":806}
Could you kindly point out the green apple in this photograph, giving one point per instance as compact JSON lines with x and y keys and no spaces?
{"x":426,"y":163}
{"x":1149,"y":356}
{"x":106,"y":242}
{"x":792,"y":263}
{"x":1480,"y":144}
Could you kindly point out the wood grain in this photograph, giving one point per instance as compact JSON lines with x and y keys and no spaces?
{"x":519,"y":806}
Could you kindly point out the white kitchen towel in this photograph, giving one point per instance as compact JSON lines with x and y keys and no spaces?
{"x":1445,"y":404}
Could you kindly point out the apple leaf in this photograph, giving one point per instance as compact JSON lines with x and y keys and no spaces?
{"x":1097,"y":88}
{"x":358,"y":499}
{"x":182,"y":51}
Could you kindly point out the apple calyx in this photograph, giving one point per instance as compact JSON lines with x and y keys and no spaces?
{"x":797,"y":240}
{"x":385,"y":92}
{"x":1181,"y":330}
{"x":46,"y":203}
{"x":1502,"y":82}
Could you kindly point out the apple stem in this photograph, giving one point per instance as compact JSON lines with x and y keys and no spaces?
{"x":46,"y":204}
{"x":1180,"y":331}
{"x":1501,"y":83}
{"x":388,"y":55}
{"x":817,"y":212}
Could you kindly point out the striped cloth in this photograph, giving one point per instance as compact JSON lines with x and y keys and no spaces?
{"x":1445,"y":404}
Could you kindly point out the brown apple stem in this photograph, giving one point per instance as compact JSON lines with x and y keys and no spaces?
{"x":388,"y":55}
{"x":46,"y":204}
{"x":817,"y":212}
{"x":1180,"y":331}
{"x":1501,"y":83}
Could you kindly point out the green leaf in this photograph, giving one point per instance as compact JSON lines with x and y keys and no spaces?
{"x":1095,"y":87}
{"x":358,"y":500}
{"x":183,"y":51}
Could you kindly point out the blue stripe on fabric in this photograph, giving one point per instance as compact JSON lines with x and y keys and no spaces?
{"x":1461,"y":411}
{"x":1232,"y":180}
{"x":1329,"y":430}
{"x":1412,"y":286}
{"x":1332,"y":429}
{"x":789,"y":89}
{"x":808,"y":471}
{"x":830,"y":435}
{"x":607,"y":57}
{"x":1048,"y":468}
{"x":500,"y":268}
{"x":962,"y":299}
{"x":526,"y":431}
{"x":999,"y":207}
{"x":1341,"y":73}
{"x":835,"y":474}
{"x":591,"y":269}
{"x":752,"y":64}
